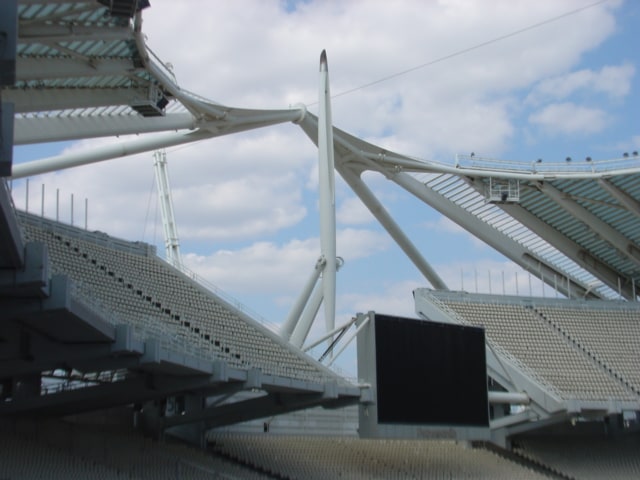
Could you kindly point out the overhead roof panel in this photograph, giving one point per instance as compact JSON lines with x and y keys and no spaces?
{"x":76,"y":58}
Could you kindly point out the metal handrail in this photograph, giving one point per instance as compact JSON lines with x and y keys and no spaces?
{"x":587,"y":165}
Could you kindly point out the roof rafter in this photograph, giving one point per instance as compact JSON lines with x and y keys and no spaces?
{"x":57,"y":99}
{"x":627,"y":201}
{"x":37,"y":68}
{"x":600,"y":228}
{"x":48,"y":33}
{"x":570,"y":249}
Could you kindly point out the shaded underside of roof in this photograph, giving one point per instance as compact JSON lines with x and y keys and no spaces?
{"x":591,"y":196}
{"x":594,"y":221}
{"x":82,"y":58}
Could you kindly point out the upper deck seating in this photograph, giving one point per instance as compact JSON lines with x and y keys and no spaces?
{"x":523,"y":328}
{"x":138,"y":288}
{"x":609,"y":334}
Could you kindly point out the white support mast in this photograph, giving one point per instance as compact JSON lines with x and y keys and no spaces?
{"x":327,"y":196}
{"x":171,"y":241}
{"x":298,"y":324}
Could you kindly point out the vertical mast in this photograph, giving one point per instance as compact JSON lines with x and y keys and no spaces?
{"x":171,"y":241}
{"x":327,"y":196}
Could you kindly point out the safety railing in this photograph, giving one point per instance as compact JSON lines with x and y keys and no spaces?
{"x":567,"y":165}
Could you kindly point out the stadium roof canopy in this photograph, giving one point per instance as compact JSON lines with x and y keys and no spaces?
{"x":84,"y":71}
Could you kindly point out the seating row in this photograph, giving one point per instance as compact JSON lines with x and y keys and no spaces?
{"x":354,"y":458}
{"x":588,"y":458}
{"x":578,"y":365}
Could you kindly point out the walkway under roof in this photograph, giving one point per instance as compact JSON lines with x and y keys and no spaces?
{"x":84,"y":71}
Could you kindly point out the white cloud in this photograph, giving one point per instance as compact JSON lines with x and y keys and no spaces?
{"x":245,"y":269}
{"x":355,"y":243}
{"x":394,"y":299}
{"x":278,"y":269}
{"x":256,"y":54}
{"x":569,"y":118}
{"x":612,"y":81}
{"x":352,"y":211}
{"x":239,"y":208}
{"x":227,"y":188}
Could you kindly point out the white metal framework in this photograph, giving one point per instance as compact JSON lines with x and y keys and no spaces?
{"x":85,"y":71}
{"x":73,"y":94}
{"x":169,"y":225}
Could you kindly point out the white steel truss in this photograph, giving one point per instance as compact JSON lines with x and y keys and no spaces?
{"x":112,"y":82}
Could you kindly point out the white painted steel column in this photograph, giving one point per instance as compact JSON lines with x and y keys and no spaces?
{"x":171,"y":240}
{"x":301,"y":331}
{"x":327,"y":196}
{"x":296,"y":311}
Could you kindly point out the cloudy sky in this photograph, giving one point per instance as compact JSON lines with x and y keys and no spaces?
{"x":510,"y":79}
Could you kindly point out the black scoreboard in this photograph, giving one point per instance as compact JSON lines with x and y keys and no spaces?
{"x":430,"y":373}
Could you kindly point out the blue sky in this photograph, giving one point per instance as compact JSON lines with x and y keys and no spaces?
{"x":246,"y":205}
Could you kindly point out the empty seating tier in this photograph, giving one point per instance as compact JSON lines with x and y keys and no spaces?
{"x":136,"y":287}
{"x":611,"y":335}
{"x":338,"y":457}
{"x":587,"y":350}
{"x":585,"y":457}
{"x":66,"y":450}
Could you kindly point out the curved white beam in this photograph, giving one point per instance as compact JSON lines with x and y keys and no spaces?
{"x":30,"y":130}
{"x":106,"y":152}
{"x":415,"y":165}
{"x":247,"y":121}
